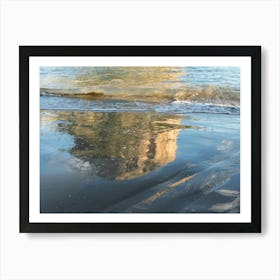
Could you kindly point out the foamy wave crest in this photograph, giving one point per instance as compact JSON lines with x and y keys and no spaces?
{"x":213,"y":85}
{"x":203,"y":95}
{"x":108,"y":105}
{"x":183,"y":107}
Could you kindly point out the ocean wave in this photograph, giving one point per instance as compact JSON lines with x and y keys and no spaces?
{"x":184,"y":107}
{"x":205,"y":88}
{"x":108,"y":105}
{"x":206,"y":94}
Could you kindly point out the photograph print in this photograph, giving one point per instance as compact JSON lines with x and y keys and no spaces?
{"x":146,"y":140}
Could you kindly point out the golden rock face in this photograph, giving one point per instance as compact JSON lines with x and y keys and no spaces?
{"x":120,"y":145}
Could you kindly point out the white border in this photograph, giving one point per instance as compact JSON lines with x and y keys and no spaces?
{"x":245,"y":138}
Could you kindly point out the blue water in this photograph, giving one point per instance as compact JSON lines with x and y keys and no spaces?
{"x":58,"y":77}
{"x":176,"y":107}
{"x":153,"y":140}
{"x":217,"y":85}
{"x":218,"y":76}
{"x":139,"y":162}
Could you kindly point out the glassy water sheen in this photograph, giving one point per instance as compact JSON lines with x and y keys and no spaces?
{"x":128,"y":140}
{"x":216,"y":85}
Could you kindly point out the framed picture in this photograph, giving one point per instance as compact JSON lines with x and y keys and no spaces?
{"x":140,"y":138}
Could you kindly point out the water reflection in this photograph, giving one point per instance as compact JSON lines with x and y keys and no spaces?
{"x":217,"y":85}
{"x":110,"y":79}
{"x":119,"y":145}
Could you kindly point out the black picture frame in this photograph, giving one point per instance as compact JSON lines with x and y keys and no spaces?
{"x":25,"y":52}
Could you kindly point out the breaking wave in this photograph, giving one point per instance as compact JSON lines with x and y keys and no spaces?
{"x":174,"y":107}
{"x":206,"y":94}
{"x":161,"y":89}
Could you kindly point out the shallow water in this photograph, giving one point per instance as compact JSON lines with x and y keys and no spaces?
{"x":115,"y":105}
{"x":140,"y":139}
{"x":139,"y":162}
{"x":216,"y":85}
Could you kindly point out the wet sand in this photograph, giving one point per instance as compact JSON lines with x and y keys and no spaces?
{"x":139,"y":162}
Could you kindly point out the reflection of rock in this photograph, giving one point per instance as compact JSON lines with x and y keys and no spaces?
{"x":122,"y":145}
{"x":126,"y":83}
{"x":129,"y":77}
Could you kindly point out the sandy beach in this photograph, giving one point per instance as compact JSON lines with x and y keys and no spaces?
{"x":139,"y":162}
{"x":139,"y":139}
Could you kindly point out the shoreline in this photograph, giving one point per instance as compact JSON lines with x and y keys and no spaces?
{"x":187,"y":95}
{"x":122,"y":162}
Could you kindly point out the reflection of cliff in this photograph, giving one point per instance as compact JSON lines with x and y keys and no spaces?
{"x":126,"y":83}
{"x":122,"y":145}
{"x":129,"y":77}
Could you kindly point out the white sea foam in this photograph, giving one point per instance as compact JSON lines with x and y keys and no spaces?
{"x":176,"y":107}
{"x":183,"y":107}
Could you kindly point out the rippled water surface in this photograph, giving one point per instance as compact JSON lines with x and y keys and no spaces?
{"x":140,"y":140}
{"x":218,"y":85}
